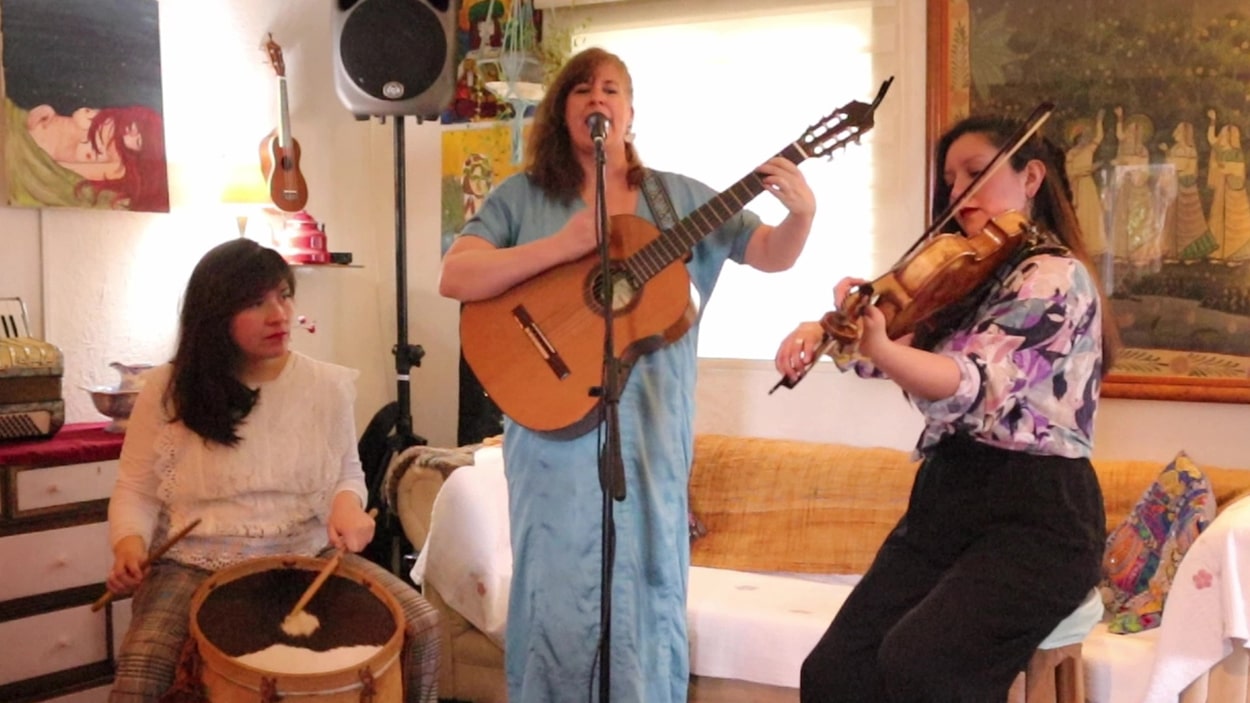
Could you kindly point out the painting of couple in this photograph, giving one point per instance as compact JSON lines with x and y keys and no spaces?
{"x":83,"y":123}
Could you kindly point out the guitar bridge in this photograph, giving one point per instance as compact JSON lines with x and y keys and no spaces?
{"x":540,"y":342}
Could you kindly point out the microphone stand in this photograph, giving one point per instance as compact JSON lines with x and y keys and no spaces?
{"x":611,"y":463}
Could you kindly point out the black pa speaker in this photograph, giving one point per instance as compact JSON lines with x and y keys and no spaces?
{"x":394,"y":57}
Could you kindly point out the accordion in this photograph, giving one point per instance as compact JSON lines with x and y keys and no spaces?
{"x":31,"y":405}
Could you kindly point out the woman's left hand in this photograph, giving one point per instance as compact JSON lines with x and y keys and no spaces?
{"x":350,"y":527}
{"x":784,"y":180}
{"x":873,"y":340}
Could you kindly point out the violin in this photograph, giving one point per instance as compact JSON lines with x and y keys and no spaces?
{"x":936,"y":273}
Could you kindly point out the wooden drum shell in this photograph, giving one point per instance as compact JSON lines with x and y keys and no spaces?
{"x":228,"y":680}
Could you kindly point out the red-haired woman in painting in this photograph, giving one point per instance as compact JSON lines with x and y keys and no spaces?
{"x":118,"y":154}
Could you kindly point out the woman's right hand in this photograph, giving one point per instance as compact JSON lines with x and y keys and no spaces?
{"x":796,"y":350}
{"x":129,"y":555}
{"x":578,"y":236}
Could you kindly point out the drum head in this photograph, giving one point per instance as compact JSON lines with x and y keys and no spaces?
{"x":245,"y":615}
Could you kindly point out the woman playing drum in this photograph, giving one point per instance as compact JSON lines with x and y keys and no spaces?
{"x":258,"y":443}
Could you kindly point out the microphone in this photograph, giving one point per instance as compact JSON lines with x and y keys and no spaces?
{"x":599,"y":127}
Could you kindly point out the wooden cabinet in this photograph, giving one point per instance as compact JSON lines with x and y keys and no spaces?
{"x":54,"y":548}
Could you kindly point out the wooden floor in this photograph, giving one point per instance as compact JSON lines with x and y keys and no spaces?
{"x":705,"y":690}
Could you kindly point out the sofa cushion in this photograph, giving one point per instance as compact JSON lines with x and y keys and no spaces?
{"x":1117,"y":667}
{"x":786,"y":505}
{"x":1123,"y":480}
{"x":757,"y":627}
{"x":1144,"y":551}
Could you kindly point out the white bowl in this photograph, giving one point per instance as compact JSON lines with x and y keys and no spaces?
{"x":113,"y":402}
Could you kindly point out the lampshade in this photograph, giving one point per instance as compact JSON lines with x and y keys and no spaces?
{"x":243,"y":184}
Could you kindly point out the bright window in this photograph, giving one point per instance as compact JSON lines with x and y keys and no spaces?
{"x":716,"y":93}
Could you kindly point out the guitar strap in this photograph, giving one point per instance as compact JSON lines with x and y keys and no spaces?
{"x":659,"y":202}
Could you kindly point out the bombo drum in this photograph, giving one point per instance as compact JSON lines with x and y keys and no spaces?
{"x":245,"y":656}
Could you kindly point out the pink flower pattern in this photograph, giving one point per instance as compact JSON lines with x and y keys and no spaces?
{"x":1203,"y":579}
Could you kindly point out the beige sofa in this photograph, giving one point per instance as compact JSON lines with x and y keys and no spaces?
{"x":768,"y":506}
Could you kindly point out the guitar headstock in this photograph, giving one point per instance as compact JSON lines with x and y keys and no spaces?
{"x":275,"y":56}
{"x":842,"y":126}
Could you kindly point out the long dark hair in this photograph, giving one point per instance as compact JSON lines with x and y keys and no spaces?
{"x":549,"y":158}
{"x":204,"y":390}
{"x":1052,"y":204}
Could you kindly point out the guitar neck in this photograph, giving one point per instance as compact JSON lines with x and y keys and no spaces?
{"x":676,"y":243}
{"x":284,"y":120}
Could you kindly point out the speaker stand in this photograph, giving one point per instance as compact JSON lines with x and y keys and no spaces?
{"x":406,"y":355}
{"x":394,"y":420}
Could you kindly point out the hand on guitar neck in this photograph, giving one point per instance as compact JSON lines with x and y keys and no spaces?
{"x":279,"y":152}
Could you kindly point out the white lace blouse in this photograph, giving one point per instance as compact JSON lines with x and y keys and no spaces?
{"x":270,"y":494}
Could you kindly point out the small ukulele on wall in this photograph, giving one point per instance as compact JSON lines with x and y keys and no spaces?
{"x":279,"y":152}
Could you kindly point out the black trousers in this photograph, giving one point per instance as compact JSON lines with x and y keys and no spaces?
{"x":995,"y":549}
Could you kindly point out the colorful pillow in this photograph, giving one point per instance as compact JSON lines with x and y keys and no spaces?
{"x":1143,"y":553}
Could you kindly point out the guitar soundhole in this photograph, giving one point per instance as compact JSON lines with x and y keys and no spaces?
{"x":624,"y":290}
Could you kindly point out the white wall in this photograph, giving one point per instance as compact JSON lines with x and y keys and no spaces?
{"x":104,"y":286}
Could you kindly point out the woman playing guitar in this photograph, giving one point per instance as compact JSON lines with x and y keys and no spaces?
{"x":531,"y":225}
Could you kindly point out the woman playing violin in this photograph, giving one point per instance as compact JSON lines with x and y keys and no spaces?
{"x":1003,"y":534}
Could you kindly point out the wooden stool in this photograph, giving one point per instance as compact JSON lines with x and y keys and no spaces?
{"x":1055,"y":673}
{"x":1054,"y":676}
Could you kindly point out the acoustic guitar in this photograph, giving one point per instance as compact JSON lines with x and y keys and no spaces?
{"x":537,"y":349}
{"x":279,"y":152}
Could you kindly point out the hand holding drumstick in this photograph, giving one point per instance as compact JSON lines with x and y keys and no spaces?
{"x":299,"y":623}
{"x":124,"y":587}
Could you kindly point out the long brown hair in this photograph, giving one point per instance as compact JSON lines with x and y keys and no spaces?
{"x":1052,"y":204}
{"x":204,"y":391}
{"x":549,"y":158}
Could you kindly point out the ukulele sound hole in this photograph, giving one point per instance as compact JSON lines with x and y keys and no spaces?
{"x":623,"y":291}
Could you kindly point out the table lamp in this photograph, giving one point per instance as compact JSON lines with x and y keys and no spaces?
{"x":246,"y":193}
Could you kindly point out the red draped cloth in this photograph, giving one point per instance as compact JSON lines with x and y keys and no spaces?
{"x":73,"y":444}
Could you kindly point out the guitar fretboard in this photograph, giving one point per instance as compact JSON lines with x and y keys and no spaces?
{"x":676,"y":243}
{"x":284,"y":120}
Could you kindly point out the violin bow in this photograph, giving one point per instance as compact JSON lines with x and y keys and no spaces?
{"x":1038,"y":117}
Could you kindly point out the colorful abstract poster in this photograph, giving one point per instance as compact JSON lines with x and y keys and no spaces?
{"x":83,"y":114}
{"x":476,"y":158}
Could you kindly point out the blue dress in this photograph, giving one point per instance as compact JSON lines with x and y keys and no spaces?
{"x":555,"y":500}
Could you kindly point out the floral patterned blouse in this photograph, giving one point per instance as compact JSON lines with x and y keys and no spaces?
{"x":1030,"y":363}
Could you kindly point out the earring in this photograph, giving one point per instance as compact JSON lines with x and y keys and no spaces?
{"x":629,"y":134}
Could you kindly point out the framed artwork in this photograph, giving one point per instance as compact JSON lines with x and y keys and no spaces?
{"x":476,"y":158}
{"x":1150,"y":104}
{"x":83,"y":120}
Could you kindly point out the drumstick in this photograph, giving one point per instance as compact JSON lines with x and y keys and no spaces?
{"x":295,"y":625}
{"x":160,"y":551}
